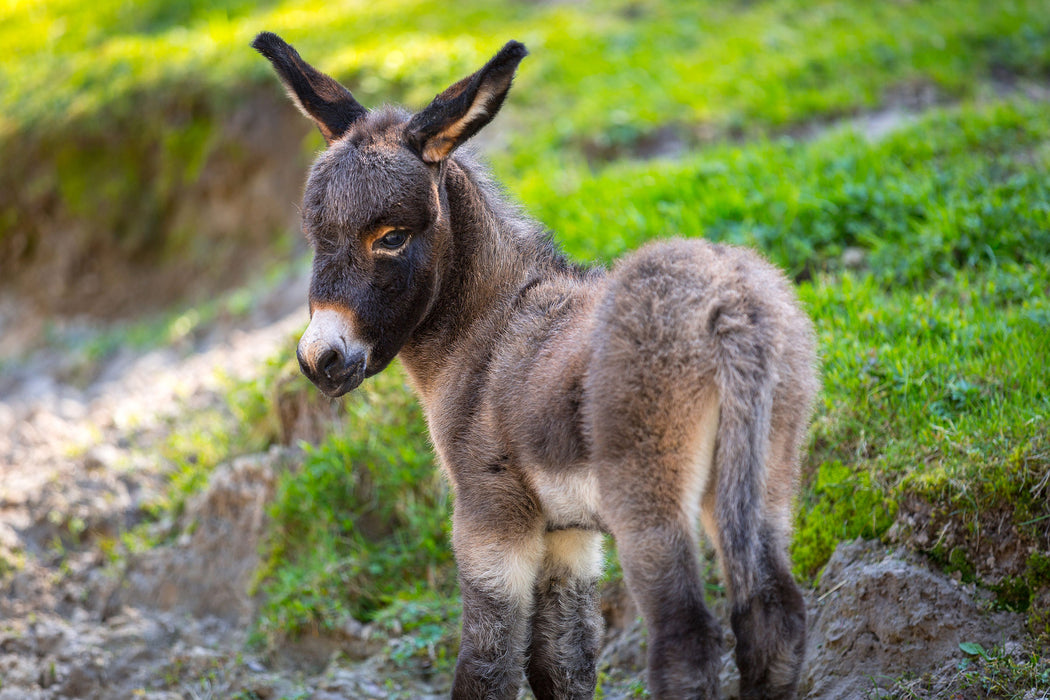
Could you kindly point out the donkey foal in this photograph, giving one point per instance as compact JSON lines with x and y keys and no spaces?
{"x":563,"y":402}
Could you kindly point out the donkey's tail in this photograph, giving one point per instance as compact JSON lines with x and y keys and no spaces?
{"x":768,"y":613}
{"x":746,"y":377}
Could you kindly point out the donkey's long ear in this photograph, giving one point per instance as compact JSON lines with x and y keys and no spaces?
{"x":460,"y":111}
{"x":318,"y":96}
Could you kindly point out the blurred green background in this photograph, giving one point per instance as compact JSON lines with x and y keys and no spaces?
{"x":128,"y":126}
{"x":892,"y":156}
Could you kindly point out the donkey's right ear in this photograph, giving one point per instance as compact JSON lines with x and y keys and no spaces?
{"x":318,"y":96}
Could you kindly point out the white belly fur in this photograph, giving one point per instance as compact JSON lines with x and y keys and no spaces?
{"x":568,"y":499}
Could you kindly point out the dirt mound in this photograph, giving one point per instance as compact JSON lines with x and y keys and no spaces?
{"x":882,"y":614}
{"x":209,"y":568}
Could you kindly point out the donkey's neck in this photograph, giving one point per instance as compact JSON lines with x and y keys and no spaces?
{"x":495,"y":251}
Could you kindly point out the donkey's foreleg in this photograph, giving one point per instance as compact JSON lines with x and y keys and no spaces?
{"x":498,"y":562}
{"x":567,"y":622}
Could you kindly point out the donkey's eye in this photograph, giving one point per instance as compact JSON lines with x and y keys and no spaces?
{"x":393,"y":240}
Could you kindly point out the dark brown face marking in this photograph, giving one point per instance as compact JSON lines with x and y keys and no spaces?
{"x":373,"y":217}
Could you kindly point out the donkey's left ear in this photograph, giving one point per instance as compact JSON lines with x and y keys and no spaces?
{"x":460,"y":111}
{"x":317,"y":95}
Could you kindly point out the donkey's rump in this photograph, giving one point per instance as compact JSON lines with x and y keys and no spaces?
{"x":683,"y":327}
{"x":672,"y":314}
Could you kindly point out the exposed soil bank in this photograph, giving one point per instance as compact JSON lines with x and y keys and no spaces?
{"x":112,"y":221}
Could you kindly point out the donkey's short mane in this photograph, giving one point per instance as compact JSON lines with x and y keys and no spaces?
{"x":509,"y":216}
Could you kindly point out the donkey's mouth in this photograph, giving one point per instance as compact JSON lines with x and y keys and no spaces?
{"x":337,"y":385}
{"x":338,"y":391}
{"x":334,"y":373}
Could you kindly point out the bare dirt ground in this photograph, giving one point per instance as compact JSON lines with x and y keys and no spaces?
{"x":77,"y":468}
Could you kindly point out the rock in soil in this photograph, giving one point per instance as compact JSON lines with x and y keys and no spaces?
{"x":881,"y":614}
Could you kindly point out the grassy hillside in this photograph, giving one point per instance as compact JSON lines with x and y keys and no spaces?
{"x":604,"y":70}
{"x":123,"y":121}
{"x":922,"y":253}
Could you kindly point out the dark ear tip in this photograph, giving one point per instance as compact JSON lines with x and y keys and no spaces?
{"x":513,"y":50}
{"x":268,"y":44}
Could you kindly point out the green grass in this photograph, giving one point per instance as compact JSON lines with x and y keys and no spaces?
{"x":605,"y":68}
{"x":362,"y":527}
{"x":995,"y":673}
{"x":965,"y":188}
{"x":938,"y":393}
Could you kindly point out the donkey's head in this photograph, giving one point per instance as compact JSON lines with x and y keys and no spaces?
{"x":375,"y":210}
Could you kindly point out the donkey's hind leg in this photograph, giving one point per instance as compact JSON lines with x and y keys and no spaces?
{"x":768,"y":612}
{"x":769,"y":623}
{"x":567,"y":622}
{"x":661,"y":566}
{"x":651,"y":498}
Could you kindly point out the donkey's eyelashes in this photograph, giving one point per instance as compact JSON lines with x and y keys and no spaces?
{"x":393,"y":241}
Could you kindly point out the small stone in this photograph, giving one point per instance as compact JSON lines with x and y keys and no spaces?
{"x":854,"y":258}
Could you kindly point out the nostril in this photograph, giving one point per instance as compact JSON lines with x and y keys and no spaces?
{"x":329,"y":363}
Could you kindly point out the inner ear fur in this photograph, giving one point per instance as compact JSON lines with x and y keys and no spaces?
{"x":317,"y":95}
{"x":460,"y":111}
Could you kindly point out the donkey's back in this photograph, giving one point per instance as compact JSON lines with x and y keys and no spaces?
{"x":563,"y":402}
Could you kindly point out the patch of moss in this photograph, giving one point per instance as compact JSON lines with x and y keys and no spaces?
{"x":1037,"y":577}
{"x":1038,"y":623}
{"x":839,"y":504}
{"x":11,"y":562}
{"x":1037,"y":569}
{"x":957,"y":561}
{"x":1012,"y":593}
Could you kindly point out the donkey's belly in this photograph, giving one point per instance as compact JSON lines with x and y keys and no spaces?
{"x":568,"y":498}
